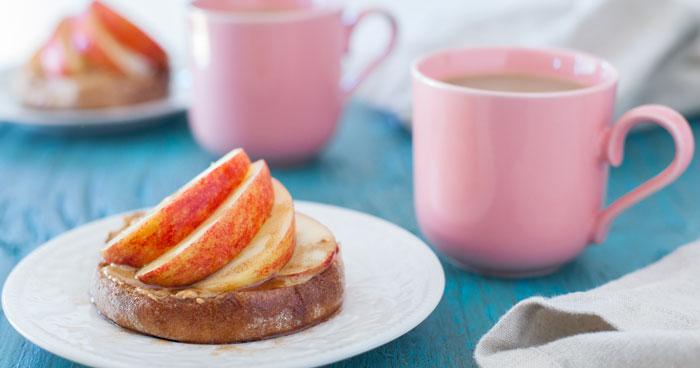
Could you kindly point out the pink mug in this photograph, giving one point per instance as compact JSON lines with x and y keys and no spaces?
{"x":512,"y":184}
{"x":266,"y":74}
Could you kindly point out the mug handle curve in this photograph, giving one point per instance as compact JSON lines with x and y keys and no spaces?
{"x":350,"y":26}
{"x":614,"y":148}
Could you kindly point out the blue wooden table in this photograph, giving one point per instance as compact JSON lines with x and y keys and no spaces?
{"x":49,"y":184}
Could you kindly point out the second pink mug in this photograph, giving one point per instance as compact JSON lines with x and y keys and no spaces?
{"x":510,"y":183}
{"x":267,"y":74}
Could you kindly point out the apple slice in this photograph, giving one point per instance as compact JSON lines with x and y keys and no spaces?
{"x":179,"y":214}
{"x":84,"y":41}
{"x":315,"y":250}
{"x":103,"y":47}
{"x":57,"y":57}
{"x":220,"y":238}
{"x":129,"y":34}
{"x":267,"y":253}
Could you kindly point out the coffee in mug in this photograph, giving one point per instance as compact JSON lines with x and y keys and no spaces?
{"x":514,"y":83}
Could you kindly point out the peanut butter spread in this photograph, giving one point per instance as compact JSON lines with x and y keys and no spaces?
{"x":126,"y":275}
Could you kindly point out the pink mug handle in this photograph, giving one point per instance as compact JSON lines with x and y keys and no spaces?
{"x":350,"y":25}
{"x":679,"y":129}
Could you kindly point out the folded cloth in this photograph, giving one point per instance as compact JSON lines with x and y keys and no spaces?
{"x":653,"y":43}
{"x":649,"y":318}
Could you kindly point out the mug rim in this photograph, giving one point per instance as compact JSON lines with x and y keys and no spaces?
{"x":331,"y":7}
{"x":609,"y":82}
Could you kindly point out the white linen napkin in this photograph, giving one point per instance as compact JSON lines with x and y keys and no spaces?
{"x":649,"y":318}
{"x":653,"y":43}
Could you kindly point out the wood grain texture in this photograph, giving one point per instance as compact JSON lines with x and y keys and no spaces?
{"x":49,"y":184}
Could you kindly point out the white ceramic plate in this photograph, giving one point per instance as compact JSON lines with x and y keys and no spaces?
{"x":393,"y":282}
{"x":90,"y":120}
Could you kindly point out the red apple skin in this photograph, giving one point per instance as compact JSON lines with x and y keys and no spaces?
{"x":84,"y":40}
{"x":178,"y":218}
{"x":129,"y":34}
{"x":56,"y":57}
{"x":223,"y":241}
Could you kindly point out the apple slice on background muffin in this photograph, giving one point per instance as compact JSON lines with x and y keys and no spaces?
{"x":94,"y":59}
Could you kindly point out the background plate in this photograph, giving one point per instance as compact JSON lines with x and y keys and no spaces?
{"x":91,"y":120}
{"x":393,"y":282}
